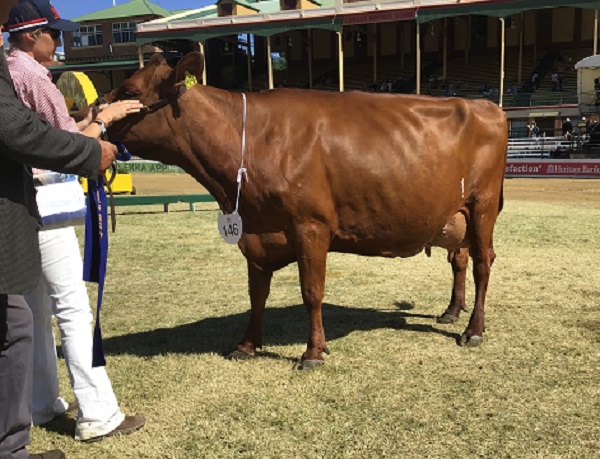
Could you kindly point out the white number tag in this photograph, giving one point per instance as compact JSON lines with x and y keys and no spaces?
{"x":230,"y":227}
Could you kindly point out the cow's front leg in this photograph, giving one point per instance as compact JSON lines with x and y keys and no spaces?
{"x":312,"y":247}
{"x":459,"y":259}
{"x":259,"y":286}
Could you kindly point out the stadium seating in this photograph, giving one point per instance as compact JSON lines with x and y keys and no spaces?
{"x":463,"y":79}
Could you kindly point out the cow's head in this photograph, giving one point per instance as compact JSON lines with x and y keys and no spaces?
{"x":158,"y":80}
{"x":158,"y":86}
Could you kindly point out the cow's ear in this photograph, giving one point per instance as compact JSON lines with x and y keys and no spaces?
{"x":157,"y":59}
{"x":193,"y":63}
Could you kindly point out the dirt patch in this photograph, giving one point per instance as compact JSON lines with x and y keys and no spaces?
{"x":161,"y":184}
{"x":540,"y":189}
{"x":567,"y":190}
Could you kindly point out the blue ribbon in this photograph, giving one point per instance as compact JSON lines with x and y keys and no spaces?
{"x":96,"y":248}
{"x":96,"y":254}
{"x":122,"y":152}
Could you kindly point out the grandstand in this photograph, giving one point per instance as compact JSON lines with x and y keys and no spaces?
{"x":461,"y":40}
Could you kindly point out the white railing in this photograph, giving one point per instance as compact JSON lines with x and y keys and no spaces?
{"x":540,"y":147}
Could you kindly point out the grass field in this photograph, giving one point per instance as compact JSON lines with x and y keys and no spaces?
{"x":396,"y":385}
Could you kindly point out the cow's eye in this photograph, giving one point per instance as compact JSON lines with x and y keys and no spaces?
{"x":124,"y":95}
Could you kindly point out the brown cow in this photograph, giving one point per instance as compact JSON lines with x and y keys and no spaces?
{"x":369,"y":174}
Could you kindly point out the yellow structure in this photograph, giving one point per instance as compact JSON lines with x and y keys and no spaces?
{"x":79,"y":92}
{"x":77,"y":89}
{"x":122,"y":184}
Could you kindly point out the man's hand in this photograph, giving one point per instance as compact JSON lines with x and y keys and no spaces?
{"x":109,"y":152}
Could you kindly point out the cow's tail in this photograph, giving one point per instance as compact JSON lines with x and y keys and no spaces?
{"x":501,"y":203}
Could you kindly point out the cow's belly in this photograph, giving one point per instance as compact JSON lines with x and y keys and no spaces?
{"x":392,"y":239}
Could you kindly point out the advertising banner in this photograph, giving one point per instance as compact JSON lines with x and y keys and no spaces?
{"x":380,"y":16}
{"x":556,"y":168}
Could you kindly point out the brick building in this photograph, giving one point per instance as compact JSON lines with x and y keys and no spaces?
{"x":104,"y":46}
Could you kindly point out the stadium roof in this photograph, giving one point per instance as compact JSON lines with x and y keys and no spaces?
{"x":589,"y":62}
{"x":97,"y":66}
{"x":126,"y":10}
{"x":498,"y":8}
{"x":203,"y":24}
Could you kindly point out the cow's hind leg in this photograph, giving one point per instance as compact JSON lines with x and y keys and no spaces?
{"x":312,"y":247}
{"x":482,"y":252}
{"x":259,"y":286}
{"x":459,"y":259}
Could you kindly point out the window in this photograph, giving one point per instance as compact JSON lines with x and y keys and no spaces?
{"x":124,"y":32}
{"x":289,"y":4}
{"x":88,"y":36}
{"x":226,"y":9}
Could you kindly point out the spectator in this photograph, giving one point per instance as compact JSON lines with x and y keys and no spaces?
{"x":567,"y":128}
{"x":535,"y":81}
{"x":582,"y":126}
{"x":24,"y":141}
{"x":61,"y":290}
{"x":533,"y":128}
{"x":555,"y":82}
{"x":491,"y":92}
{"x":561,"y":81}
{"x":450,"y":89}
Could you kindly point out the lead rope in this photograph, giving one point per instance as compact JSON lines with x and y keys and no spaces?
{"x":242,"y":170}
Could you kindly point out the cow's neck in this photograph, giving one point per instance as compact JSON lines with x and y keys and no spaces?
{"x":217,"y":145}
{"x":203,"y":137}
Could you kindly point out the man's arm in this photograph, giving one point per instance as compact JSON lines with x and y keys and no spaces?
{"x":26,"y":139}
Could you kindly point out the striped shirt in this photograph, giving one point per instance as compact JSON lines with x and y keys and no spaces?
{"x":34,"y":86}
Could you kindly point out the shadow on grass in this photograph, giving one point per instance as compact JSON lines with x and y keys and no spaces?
{"x":282,"y":326}
{"x":62,"y":425}
{"x":124,"y":213}
{"x":405,"y":306}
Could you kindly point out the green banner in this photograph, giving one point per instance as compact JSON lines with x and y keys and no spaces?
{"x":149,"y":168}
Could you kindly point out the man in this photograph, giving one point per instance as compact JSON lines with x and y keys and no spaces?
{"x":582,"y":126}
{"x":62,"y":292}
{"x":567,"y":128}
{"x":26,"y":141}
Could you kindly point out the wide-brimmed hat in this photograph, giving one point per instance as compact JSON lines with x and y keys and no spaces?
{"x":36,"y":14}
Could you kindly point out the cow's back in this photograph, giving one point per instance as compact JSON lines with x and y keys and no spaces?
{"x":387,"y":171}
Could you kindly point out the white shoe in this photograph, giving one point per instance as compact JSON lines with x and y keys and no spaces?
{"x":86,"y":430}
{"x":60,"y":406}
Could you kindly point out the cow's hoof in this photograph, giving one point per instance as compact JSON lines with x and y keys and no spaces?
{"x":471,"y":341}
{"x":240,"y":355}
{"x":310,"y":364}
{"x":446,"y":318}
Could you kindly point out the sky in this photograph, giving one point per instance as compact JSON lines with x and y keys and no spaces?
{"x":72,"y":8}
{"x":69,"y":9}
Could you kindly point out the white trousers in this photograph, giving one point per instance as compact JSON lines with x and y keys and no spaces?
{"x":62,"y":292}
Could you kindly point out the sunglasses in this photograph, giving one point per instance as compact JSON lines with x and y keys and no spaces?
{"x":54,"y":34}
